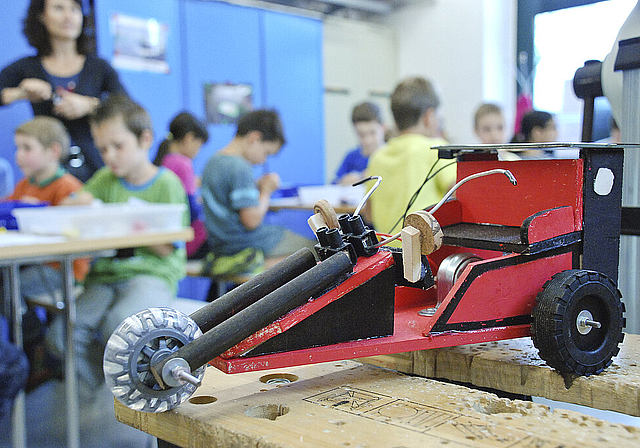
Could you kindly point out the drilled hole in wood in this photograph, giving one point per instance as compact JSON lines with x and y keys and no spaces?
{"x":279,"y":378}
{"x":267,"y":411}
{"x":202,"y":399}
{"x":502,"y":406}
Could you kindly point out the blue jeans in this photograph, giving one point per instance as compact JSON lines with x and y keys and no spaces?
{"x":37,"y":280}
{"x":14,"y":368}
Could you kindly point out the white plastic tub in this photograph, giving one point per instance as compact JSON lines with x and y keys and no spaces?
{"x":101,"y":220}
{"x":335,"y":194}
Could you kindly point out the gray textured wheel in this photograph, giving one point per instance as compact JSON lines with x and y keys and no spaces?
{"x":139,"y":341}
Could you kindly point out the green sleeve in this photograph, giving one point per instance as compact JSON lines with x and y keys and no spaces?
{"x":96,"y":184}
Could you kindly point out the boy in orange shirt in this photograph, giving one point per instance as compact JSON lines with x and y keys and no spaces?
{"x":40,"y":146}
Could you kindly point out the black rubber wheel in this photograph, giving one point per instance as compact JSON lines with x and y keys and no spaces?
{"x":559,"y":330}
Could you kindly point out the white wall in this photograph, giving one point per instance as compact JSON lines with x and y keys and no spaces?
{"x":499,"y":59}
{"x":467,"y":48}
{"x":359,"y":65}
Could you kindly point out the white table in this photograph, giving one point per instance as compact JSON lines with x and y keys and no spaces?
{"x":18,"y":249}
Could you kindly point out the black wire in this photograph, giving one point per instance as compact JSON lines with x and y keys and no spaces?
{"x":414,"y":196}
{"x":417,"y":192}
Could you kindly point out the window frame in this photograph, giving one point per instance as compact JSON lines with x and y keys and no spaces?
{"x":527,"y":10}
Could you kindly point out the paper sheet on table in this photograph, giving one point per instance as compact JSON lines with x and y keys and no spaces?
{"x":335,"y":194}
{"x":22,"y":239}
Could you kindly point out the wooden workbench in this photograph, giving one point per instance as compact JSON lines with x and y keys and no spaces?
{"x":514,"y":366}
{"x":348,"y":404}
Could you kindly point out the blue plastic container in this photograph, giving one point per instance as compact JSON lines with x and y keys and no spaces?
{"x":7,"y":220}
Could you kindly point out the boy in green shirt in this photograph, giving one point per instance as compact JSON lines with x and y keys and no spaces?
{"x":133,"y":280}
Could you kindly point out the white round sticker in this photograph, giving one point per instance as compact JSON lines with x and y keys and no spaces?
{"x":603,"y":183}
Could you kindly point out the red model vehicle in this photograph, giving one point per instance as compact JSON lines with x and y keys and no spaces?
{"x":538,"y":259}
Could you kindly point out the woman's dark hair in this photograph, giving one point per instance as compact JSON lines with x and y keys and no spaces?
{"x":38,"y":36}
{"x":180,"y":126}
{"x":532,"y":119}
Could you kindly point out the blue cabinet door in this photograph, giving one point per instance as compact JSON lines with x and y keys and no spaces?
{"x":13,"y":46}
{"x":222,"y":45}
{"x":293,"y":85}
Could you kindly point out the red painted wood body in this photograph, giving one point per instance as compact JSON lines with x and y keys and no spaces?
{"x":491,"y":300}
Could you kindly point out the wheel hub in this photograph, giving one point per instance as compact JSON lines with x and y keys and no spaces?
{"x":140,"y":341}
{"x":585,"y":322}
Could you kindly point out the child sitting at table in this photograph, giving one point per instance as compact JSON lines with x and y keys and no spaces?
{"x":367,"y":122}
{"x":186,"y":136}
{"x":42,"y":145}
{"x":488,"y":124}
{"x":235,"y":204}
{"x":133,"y":280}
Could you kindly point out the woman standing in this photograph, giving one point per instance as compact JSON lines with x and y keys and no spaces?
{"x":64,"y":79}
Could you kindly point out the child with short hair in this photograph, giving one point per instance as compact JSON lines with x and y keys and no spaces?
{"x":186,"y":136}
{"x":404,"y":162}
{"x":367,"y":122}
{"x":42,"y":144}
{"x":235,"y":204}
{"x":488,"y":123}
{"x":132,"y":281}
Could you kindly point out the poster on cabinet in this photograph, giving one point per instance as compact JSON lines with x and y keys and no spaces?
{"x":225,"y":103}
{"x":139,"y":44}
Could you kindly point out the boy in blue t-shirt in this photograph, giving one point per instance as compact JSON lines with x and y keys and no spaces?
{"x":367,"y":122}
{"x":235,"y":204}
{"x":133,"y":280}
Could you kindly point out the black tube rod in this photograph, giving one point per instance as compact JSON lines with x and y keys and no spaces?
{"x":587,"y":119}
{"x":253,"y":290}
{"x":262,"y":313}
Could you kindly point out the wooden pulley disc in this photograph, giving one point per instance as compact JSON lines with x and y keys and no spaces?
{"x":328,"y":213}
{"x":431,"y":235}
